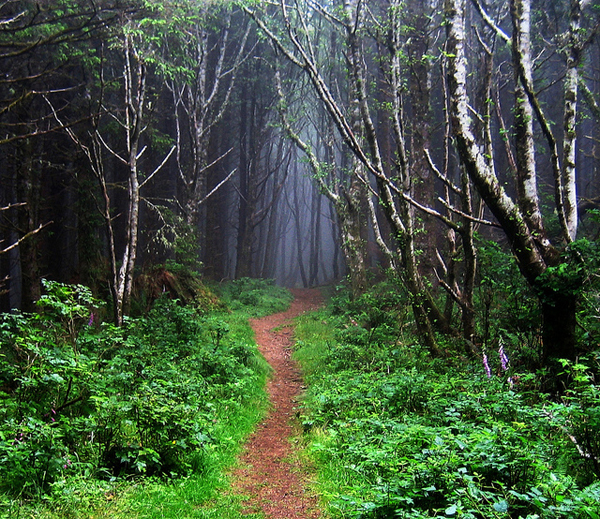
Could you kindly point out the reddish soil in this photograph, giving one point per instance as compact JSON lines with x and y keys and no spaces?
{"x":276,"y":483}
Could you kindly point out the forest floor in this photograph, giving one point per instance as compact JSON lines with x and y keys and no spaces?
{"x":270,"y":471}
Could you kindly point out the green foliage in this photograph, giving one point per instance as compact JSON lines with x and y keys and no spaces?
{"x":509,"y":309}
{"x":579,"y":413}
{"x":579,"y":260}
{"x":396,"y":434}
{"x":85,"y":404}
{"x":586,"y":254}
{"x":178,"y":236}
{"x":178,"y":282}
{"x":507,"y":303}
{"x":255,"y":297}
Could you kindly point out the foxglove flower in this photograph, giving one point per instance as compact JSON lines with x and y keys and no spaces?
{"x":488,"y":371}
{"x":503,"y":357}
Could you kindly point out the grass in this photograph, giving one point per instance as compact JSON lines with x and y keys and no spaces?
{"x":313,"y":336}
{"x":393,"y":433}
{"x":201,"y":496}
{"x":206,"y":493}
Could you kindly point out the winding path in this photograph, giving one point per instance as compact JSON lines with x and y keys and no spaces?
{"x":267,"y":473}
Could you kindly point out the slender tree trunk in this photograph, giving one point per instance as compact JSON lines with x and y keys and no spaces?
{"x":467,"y":305}
{"x":298,"y":215}
{"x":336,"y":248}
{"x":315,"y":240}
{"x":526,"y":234}
{"x":352,"y":220}
{"x":246,"y":165}
{"x":135,"y":101}
{"x":270,"y":246}
{"x":29,"y":251}
{"x":574,"y":56}
{"x":524,"y":143}
{"x":110,"y":234}
{"x":129,"y":258}
{"x":423,"y":186}
{"x":214,"y":252}
{"x":243,"y":264}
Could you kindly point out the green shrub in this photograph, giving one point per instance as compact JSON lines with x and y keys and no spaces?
{"x":396,"y":434}
{"x":82,"y":399}
{"x":255,"y":297}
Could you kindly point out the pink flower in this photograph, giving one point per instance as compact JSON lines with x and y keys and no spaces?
{"x":503,"y":357}
{"x":488,"y":371}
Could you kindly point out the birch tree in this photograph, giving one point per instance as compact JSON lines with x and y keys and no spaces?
{"x":130,"y":109}
{"x":353,"y":120}
{"x":201,"y":62}
{"x":550,"y":265}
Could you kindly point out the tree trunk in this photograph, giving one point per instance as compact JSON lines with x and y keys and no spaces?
{"x":525,"y":232}
{"x":244,"y":238}
{"x":297,"y":215}
{"x":214,"y":252}
{"x":423,"y":186}
{"x":354,"y":249}
{"x":559,"y":325}
{"x":29,"y":251}
{"x":315,"y":233}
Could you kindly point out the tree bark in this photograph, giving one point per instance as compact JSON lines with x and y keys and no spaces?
{"x":522,"y":226}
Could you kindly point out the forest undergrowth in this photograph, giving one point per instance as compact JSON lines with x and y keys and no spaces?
{"x":141,"y":420}
{"x":132,"y":421}
{"x":397,"y":433}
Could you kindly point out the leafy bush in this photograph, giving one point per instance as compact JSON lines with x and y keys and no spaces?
{"x":396,"y":434}
{"x":508,"y":306}
{"x":82,"y":399}
{"x":255,"y":297}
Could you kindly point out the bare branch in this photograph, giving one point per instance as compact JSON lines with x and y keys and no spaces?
{"x":217,"y":187}
{"x":468,"y":216}
{"x":440,"y":175}
{"x":10,"y":206}
{"x":25,"y":237}
{"x":159,"y":167}
{"x":488,"y":20}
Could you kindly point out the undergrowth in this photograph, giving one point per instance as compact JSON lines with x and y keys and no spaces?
{"x":395,"y":433}
{"x":255,"y":297}
{"x":132,"y":421}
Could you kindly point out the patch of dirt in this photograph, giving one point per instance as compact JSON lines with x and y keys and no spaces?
{"x":276,"y":485}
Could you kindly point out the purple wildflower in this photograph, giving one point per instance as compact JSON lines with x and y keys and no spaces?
{"x":503,"y":357}
{"x":91,"y":321}
{"x":488,"y":371}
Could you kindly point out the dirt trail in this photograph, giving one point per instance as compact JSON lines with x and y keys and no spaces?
{"x":267,"y":475}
